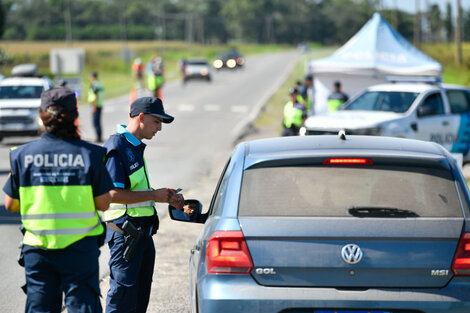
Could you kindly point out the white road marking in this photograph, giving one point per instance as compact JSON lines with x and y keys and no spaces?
{"x":186,"y":107}
{"x":239,"y":108}
{"x":212,"y":107}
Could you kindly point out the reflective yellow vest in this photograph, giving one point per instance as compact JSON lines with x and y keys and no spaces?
{"x":55,"y":215}
{"x":292,"y":115}
{"x":54,"y":218}
{"x":138,"y":181}
{"x":96,"y":91}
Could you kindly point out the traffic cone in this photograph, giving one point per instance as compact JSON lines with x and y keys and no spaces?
{"x":133,"y":95}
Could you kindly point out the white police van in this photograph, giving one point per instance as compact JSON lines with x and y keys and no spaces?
{"x":426,"y":111}
{"x":20,"y":98}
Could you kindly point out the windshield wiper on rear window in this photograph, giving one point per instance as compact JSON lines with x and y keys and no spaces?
{"x":370,"y":211}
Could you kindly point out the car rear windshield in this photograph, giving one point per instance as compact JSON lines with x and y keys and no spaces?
{"x":398,"y":102}
{"x":21,"y":92}
{"x":331,"y":191}
{"x":197,"y":62}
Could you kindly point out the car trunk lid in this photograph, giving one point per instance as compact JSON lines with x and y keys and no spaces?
{"x":343,"y":252}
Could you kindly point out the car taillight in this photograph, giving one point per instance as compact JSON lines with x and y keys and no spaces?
{"x":461,"y":264}
{"x":347,"y":161}
{"x":228,"y":253}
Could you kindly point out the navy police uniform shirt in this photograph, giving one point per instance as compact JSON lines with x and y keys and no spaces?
{"x":53,"y":161}
{"x":125,"y":155}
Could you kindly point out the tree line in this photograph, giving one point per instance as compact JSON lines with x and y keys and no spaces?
{"x":215,"y":21}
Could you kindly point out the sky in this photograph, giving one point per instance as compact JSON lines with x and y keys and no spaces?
{"x":410,"y":5}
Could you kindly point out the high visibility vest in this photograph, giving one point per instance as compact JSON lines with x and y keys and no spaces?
{"x":334,"y":104}
{"x":151,"y":82}
{"x":54,"y":219}
{"x":138,"y":180}
{"x":96,"y":92}
{"x":292,"y":115}
{"x":56,"y":210}
{"x":335,"y":100}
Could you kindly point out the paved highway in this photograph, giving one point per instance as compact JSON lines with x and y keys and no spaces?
{"x":189,"y":153}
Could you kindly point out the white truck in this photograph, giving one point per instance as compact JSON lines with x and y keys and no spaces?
{"x":426,"y":111}
{"x":20,"y":98}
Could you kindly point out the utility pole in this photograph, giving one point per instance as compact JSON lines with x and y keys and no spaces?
{"x":395,"y":15}
{"x":417,"y":26}
{"x":68,"y":23}
{"x":458,"y":36}
{"x":189,"y":28}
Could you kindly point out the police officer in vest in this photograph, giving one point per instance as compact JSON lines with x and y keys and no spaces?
{"x":96,"y":98}
{"x":294,"y":114}
{"x":337,"y":97}
{"x":132,"y":218}
{"x":306,"y":93}
{"x":58,"y":183}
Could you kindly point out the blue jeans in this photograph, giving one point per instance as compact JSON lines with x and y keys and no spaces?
{"x":73,"y":271}
{"x":130,"y":282}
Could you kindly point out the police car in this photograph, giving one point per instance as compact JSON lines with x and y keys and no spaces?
{"x":20,"y":98}
{"x":426,"y":111}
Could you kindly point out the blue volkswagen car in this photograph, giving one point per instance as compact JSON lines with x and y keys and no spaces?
{"x":324,"y":224}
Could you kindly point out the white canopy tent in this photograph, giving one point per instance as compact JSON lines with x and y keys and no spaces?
{"x":375,"y":52}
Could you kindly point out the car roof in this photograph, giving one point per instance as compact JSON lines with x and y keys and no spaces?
{"x":322,"y":145}
{"x":413,"y":87}
{"x":23,"y":81}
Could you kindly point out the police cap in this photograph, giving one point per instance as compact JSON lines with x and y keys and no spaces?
{"x":61,"y":96}
{"x":152,"y":106}
{"x":293,"y":91}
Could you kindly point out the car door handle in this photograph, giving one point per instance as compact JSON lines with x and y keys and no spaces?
{"x":445,"y":123}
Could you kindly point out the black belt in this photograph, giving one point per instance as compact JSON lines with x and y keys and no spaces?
{"x":145,"y":229}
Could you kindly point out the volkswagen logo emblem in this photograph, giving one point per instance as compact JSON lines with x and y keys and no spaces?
{"x":351,"y":253}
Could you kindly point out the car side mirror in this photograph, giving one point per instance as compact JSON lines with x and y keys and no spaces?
{"x":195,"y":217}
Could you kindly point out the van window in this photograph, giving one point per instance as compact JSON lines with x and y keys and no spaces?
{"x":459,"y":101}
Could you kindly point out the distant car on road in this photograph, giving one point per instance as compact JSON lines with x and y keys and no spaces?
{"x":20,"y":98}
{"x":330,"y":224}
{"x":425,"y":111}
{"x":231,"y":59}
{"x":197,"y":68}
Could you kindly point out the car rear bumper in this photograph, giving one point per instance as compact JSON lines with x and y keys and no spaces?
{"x":239,"y":293}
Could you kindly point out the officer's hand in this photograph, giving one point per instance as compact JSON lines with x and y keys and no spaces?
{"x":177,"y":201}
{"x":164,"y":195}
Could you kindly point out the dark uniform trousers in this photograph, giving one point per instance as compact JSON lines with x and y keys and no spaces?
{"x":130,"y":282}
{"x":73,"y":270}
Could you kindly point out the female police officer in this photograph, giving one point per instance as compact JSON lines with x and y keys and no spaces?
{"x":57,"y":182}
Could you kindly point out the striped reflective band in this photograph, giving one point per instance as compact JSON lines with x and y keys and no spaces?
{"x":58,"y":216}
{"x":66,"y":231}
{"x":132,"y":205}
